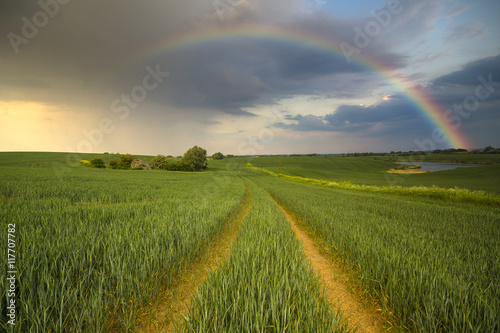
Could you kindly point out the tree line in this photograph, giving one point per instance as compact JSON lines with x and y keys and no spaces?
{"x":194,"y":159}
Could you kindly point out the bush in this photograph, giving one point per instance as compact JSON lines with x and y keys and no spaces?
{"x":176,"y":167}
{"x":113,"y":164}
{"x":97,"y":163}
{"x":218,"y":156}
{"x":159,"y":162}
{"x":125,"y":161}
{"x":195,"y":159}
{"x":86,"y":163}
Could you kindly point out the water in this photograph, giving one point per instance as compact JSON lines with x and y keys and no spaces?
{"x":438,"y":166}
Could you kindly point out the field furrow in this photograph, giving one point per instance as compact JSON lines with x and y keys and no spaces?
{"x":95,"y":250}
{"x":166,"y":315}
{"x":431,"y":265}
{"x":238,"y":249}
{"x":360,"y":317}
{"x":266,"y":284}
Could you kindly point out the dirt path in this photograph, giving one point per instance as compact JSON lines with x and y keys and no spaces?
{"x":337,"y":293}
{"x":170,"y":311}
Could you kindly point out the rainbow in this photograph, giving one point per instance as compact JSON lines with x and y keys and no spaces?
{"x":431,"y":110}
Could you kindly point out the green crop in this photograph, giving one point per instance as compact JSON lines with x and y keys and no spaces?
{"x":98,"y":249}
{"x":95,"y":249}
{"x":266,"y":285}
{"x":433,"y":265}
{"x":453,"y":194}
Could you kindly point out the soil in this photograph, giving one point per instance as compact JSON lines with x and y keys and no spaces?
{"x":359,"y":315}
{"x":168,"y":314}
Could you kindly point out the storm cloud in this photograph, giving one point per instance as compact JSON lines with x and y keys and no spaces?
{"x":81,"y":57}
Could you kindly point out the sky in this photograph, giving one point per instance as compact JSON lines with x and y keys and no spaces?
{"x":249,"y":77}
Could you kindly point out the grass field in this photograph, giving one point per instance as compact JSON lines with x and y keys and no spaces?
{"x":266,"y":284}
{"x":373,"y":170}
{"x":97,"y":249}
{"x":419,"y":257}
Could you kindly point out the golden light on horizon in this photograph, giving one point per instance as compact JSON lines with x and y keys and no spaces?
{"x":30,"y":126}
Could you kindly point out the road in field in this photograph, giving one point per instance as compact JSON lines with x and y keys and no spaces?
{"x":168,"y":314}
{"x":359,"y":316}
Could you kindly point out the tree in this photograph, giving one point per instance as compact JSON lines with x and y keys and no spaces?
{"x":125,"y":161}
{"x":195,"y":159}
{"x":489,"y":148}
{"x":158,"y":162}
{"x":218,"y":156}
{"x":97,"y":163}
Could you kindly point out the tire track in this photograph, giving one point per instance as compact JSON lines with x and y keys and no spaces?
{"x":359,"y":316}
{"x":168,"y":314}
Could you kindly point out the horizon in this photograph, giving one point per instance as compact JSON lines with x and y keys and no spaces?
{"x":209,"y":154}
{"x":250,"y":77}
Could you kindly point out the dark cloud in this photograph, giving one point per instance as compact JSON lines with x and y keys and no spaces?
{"x":84,"y":57}
{"x":471,"y":98}
{"x":81,"y":48}
{"x":468,"y":75}
{"x":399,"y":119}
{"x":356,"y":118}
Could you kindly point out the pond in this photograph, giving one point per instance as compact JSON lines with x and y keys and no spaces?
{"x":438,"y":166}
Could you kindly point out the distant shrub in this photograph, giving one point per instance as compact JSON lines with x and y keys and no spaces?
{"x":249,"y":165}
{"x":176,"y":167}
{"x":138,"y":168}
{"x":97,"y":163}
{"x":86,"y":163}
{"x":218,"y":156}
{"x":125,"y":161}
{"x":158,"y":162}
{"x":113,"y":164}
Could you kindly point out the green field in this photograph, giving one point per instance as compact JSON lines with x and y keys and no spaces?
{"x":373,"y":170}
{"x":97,"y":249}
